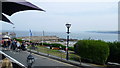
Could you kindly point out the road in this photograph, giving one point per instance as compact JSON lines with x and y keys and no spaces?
{"x":40,"y":61}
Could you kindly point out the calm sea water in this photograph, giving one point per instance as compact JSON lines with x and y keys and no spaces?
{"x":74,"y":35}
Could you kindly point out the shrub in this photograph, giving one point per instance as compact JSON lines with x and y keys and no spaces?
{"x":46,"y":44}
{"x":96,"y":51}
{"x":20,"y":40}
{"x":114,"y":52}
{"x":56,"y":45}
{"x":71,"y":48}
{"x":53,"y":45}
{"x":74,"y":57}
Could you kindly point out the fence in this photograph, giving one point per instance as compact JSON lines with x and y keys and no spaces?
{"x":55,"y":52}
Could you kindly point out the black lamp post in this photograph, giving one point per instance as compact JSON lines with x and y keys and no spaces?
{"x":30,"y":60}
{"x":14,"y":35}
{"x":68,"y":26}
{"x":13,"y":29}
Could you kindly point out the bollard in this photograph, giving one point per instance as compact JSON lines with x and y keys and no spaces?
{"x":61,"y":55}
{"x":80,"y":60}
{"x":48,"y":52}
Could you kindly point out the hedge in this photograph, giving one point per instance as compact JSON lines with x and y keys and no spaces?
{"x":58,"y":45}
{"x":48,"y":44}
{"x":20,"y":40}
{"x":96,"y":51}
{"x":114,"y":52}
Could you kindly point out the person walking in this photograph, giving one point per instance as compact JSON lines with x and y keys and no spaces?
{"x":5,"y":45}
{"x":9,"y":43}
{"x":23,"y":45}
{"x":18,"y":46}
{"x":14,"y":44}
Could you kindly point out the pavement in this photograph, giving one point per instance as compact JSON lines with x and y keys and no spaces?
{"x":40,"y":61}
{"x":75,"y":63}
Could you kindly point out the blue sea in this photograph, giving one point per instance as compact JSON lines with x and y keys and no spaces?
{"x":108,"y":37}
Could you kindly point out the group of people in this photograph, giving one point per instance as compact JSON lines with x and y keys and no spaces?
{"x":12,"y":44}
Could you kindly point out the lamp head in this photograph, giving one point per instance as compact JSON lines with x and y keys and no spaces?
{"x":68,"y":25}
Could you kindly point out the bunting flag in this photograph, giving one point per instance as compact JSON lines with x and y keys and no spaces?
{"x":30,"y":33}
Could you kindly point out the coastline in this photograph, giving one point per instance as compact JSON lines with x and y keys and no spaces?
{"x":49,"y":39}
{"x":108,"y":37}
{"x":45,"y":38}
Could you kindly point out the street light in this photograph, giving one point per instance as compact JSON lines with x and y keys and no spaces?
{"x":13,"y":30}
{"x":68,"y":26}
{"x":14,"y":35}
{"x":30,"y":60}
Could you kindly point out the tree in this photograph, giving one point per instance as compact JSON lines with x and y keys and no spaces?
{"x":95,"y":51}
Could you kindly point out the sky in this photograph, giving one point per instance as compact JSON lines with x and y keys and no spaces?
{"x":83,"y":16}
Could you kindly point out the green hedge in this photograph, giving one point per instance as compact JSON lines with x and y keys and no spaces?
{"x":74,"y":57}
{"x":71,"y":48}
{"x":52,"y":44}
{"x":20,"y":40}
{"x":96,"y":51}
{"x":58,"y":45}
{"x":114,"y":52}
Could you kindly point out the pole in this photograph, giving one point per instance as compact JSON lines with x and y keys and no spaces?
{"x":67,"y":48}
{"x":13,"y":32}
{"x":67,"y":56}
{"x":30,"y":39}
{"x":42,"y":38}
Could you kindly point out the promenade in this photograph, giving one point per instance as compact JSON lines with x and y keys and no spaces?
{"x":40,"y":61}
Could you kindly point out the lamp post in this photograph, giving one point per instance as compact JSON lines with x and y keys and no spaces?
{"x":68,"y":26}
{"x":43,"y":38}
{"x":13,"y":28}
{"x":14,"y":35}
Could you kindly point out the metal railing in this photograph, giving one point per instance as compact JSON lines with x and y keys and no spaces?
{"x":54,"y":52}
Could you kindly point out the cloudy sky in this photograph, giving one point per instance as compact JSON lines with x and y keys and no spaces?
{"x":84,"y":16}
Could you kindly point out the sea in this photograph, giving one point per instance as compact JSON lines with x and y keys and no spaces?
{"x":108,"y":37}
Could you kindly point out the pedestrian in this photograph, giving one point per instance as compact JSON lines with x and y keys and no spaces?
{"x":5,"y":44}
{"x":9,"y":43}
{"x":22,"y":46}
{"x":2,"y":43}
{"x":25,"y":46}
{"x":14,"y":44}
{"x":6,"y":63}
{"x":11,"y":46}
{"x":18,"y":46}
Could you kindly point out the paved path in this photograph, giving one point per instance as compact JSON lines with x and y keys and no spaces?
{"x":39,"y":60}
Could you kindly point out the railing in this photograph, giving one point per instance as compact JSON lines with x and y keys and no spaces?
{"x":55,"y":52}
